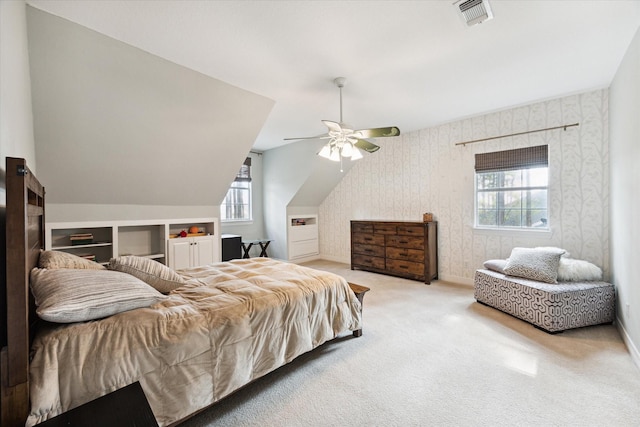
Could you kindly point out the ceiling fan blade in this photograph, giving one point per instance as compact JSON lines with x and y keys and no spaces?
{"x":377,"y":132}
{"x":323,"y":136}
{"x":367,"y":146}
{"x":334,"y":126}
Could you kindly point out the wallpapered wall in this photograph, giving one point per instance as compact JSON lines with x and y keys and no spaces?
{"x":425,"y":171}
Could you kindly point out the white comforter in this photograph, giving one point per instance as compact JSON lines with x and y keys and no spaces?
{"x":232,"y":323}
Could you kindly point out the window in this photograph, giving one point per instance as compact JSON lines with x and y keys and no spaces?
{"x":512,"y":188}
{"x":236,"y":206}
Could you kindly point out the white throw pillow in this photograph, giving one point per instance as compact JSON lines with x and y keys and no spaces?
{"x":534,"y":263}
{"x":565,"y":254}
{"x":577,"y":270}
{"x":66,"y":296}
{"x":497,"y":265}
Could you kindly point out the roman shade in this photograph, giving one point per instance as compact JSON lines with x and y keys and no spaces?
{"x":244,"y":174}
{"x":520,"y":158}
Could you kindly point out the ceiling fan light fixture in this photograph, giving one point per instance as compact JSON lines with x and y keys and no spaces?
{"x":325,"y":152}
{"x":357,"y":154}
{"x":346,"y":142}
{"x":335,"y":154}
{"x":347,"y":150}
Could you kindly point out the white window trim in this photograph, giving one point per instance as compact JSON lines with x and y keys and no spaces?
{"x":514,"y":159}
{"x":476,"y":226}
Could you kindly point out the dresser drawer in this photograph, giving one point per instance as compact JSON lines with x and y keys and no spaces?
{"x":367,"y":261}
{"x":384,"y":228}
{"x":415,"y":255}
{"x":410,"y":242}
{"x":361,"y":227}
{"x":368,"y":250}
{"x":368,"y":239}
{"x":405,"y":267}
{"x":411,"y":230}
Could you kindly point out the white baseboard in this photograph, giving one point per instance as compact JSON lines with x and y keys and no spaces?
{"x":633,"y":350}
{"x":335,"y":259}
{"x":455,"y":279}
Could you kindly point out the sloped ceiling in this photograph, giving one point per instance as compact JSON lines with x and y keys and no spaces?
{"x":413,"y":64}
{"x":117,"y":125}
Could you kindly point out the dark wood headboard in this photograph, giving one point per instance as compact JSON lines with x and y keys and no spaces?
{"x":25,"y":235}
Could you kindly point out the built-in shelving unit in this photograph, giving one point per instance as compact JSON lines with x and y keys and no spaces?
{"x":302,"y":235}
{"x":148,"y":238}
{"x":101,"y":246}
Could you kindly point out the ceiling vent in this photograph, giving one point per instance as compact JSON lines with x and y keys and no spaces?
{"x":474,"y":11}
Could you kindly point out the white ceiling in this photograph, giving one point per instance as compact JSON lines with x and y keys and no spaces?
{"x":412,"y":64}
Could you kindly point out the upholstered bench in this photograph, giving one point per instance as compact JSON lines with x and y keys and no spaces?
{"x":551,"y":307}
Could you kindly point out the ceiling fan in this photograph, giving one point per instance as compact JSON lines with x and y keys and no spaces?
{"x":345,"y":141}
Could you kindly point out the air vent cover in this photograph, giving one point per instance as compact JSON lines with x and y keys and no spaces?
{"x":474,"y":11}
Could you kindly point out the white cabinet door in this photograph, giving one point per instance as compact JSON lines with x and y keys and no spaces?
{"x":192,"y":252}
{"x":180,"y":253}
{"x":203,"y":250}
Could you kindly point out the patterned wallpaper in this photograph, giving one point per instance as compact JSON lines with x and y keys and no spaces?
{"x":424,"y":171}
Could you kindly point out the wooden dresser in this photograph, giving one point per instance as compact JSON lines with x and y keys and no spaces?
{"x":400,"y":248}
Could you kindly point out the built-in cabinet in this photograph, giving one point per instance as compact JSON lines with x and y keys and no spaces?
{"x":155,"y":239}
{"x":191,"y":251}
{"x":400,"y":248}
{"x":302,"y":235}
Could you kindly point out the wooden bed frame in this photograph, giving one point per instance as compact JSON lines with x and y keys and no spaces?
{"x":24,"y":240}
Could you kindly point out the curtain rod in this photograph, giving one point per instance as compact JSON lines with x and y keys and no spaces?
{"x":519,"y":133}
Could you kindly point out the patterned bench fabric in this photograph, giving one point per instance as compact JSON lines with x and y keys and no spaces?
{"x":552,"y":307}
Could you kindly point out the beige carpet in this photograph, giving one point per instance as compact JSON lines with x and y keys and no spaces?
{"x":432,"y":356}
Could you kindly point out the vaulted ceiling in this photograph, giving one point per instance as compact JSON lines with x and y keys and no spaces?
{"x":412,"y":64}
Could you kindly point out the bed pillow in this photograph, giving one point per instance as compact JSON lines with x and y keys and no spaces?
{"x":495,"y":265}
{"x":577,"y":270}
{"x":161,"y":277}
{"x":66,"y":295}
{"x":565,"y":254}
{"x":58,"y":259}
{"x":534,"y":263}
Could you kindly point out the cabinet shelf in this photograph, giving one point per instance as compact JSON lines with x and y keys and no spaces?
{"x":151,"y":256}
{"x":87,"y":245}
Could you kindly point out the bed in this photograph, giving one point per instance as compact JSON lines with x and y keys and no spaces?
{"x":226,"y":325}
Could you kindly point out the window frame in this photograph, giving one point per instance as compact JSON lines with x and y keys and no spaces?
{"x":242,"y":182}
{"x":520,"y":161}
